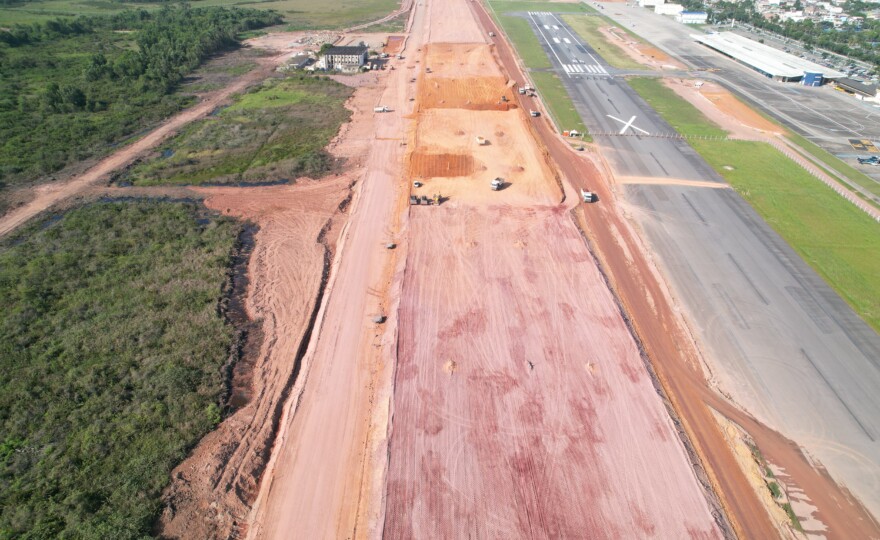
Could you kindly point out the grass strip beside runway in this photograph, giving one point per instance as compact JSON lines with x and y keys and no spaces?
{"x":838,"y":240}
{"x":587,"y":27}
{"x":558,"y":101}
{"x":681,"y":115}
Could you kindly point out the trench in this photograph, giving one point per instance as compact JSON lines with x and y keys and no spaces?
{"x":247,"y":334}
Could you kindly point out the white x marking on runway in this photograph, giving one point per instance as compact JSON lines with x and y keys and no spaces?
{"x":627,"y":125}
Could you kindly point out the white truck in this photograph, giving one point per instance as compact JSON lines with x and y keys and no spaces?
{"x":588,"y":196}
{"x":381,"y":108}
{"x":496,"y":184}
{"x":491,"y":34}
{"x":535,"y":113}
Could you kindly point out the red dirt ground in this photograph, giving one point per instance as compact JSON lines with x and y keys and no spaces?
{"x":674,"y":356}
{"x":394,"y":44}
{"x":522,"y":408}
{"x":426,"y":165}
{"x":473,"y":93}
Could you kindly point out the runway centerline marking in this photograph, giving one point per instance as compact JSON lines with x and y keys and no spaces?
{"x":627,"y":124}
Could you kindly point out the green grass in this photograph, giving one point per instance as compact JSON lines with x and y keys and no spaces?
{"x":111,"y":350}
{"x":275,"y":132}
{"x":839,"y":241}
{"x":526,"y":43}
{"x":775,"y":490}
{"x":300,"y":14}
{"x":552,"y":91}
{"x":835,"y":163}
{"x":587,"y":27}
{"x":505,"y":6}
{"x":547,"y":84}
{"x":792,"y":516}
{"x":681,"y":115}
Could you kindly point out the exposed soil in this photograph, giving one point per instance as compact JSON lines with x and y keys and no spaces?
{"x":676,"y":359}
{"x":548,"y":426}
{"x":461,"y":60}
{"x":519,"y":389}
{"x":449,"y":165}
{"x":509,"y":153}
{"x":394,"y":44}
{"x":473,"y":93}
{"x":639,"y":51}
{"x":724,"y":109}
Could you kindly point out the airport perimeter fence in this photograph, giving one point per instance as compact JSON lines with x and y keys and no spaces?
{"x":827,"y":180}
{"x":660,"y":135}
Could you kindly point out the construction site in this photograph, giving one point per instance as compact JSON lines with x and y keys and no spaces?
{"x":464,"y":331}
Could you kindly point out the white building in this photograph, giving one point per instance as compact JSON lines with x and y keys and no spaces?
{"x":345,"y":58}
{"x":668,"y":9}
{"x":692,"y":17}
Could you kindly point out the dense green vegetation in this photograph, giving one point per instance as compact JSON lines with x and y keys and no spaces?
{"x":111,"y":350}
{"x":837,"y":239}
{"x":587,"y":27}
{"x":276,"y":131}
{"x":69,"y":89}
{"x":681,"y":115}
{"x":299,"y":13}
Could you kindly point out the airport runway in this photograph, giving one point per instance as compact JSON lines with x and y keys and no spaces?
{"x":822,"y":114}
{"x":779,"y":340}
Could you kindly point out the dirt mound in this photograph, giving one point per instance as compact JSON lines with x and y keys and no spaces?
{"x":472,"y":93}
{"x":427,"y":165}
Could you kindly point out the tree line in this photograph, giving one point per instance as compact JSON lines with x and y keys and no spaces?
{"x":71,"y":87}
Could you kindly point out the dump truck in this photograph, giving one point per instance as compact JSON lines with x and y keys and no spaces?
{"x":588,"y":196}
{"x":522,"y":91}
{"x":496,"y":184}
{"x":381,"y":108}
{"x":481,"y":141}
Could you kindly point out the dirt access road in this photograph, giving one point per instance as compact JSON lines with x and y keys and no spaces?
{"x":316,"y":485}
{"x":50,"y":194}
{"x":676,"y":359}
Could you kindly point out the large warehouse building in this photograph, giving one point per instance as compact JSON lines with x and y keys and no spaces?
{"x":772,"y":63}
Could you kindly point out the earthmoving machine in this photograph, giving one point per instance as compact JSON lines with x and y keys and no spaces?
{"x":873,"y":160}
{"x":588,"y":196}
{"x":504,"y":99}
{"x":496,"y":184}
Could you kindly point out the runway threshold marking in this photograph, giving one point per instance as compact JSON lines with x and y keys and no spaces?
{"x":544,"y":37}
{"x":627,"y":124}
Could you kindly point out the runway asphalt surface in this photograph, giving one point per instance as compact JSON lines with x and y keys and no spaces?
{"x":779,"y":340}
{"x":822,"y":114}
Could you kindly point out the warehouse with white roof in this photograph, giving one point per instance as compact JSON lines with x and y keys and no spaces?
{"x":772,"y":63}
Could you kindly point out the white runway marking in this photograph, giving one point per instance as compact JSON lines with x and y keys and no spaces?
{"x":556,"y":40}
{"x":566,"y":40}
{"x":627,"y":124}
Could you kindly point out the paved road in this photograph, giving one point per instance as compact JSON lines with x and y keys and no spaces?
{"x":781,"y":342}
{"x":823,"y":115}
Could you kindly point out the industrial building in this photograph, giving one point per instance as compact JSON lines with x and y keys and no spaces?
{"x":692,"y":17}
{"x":770,"y":62}
{"x":350,"y":58}
{"x":862,"y":90}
